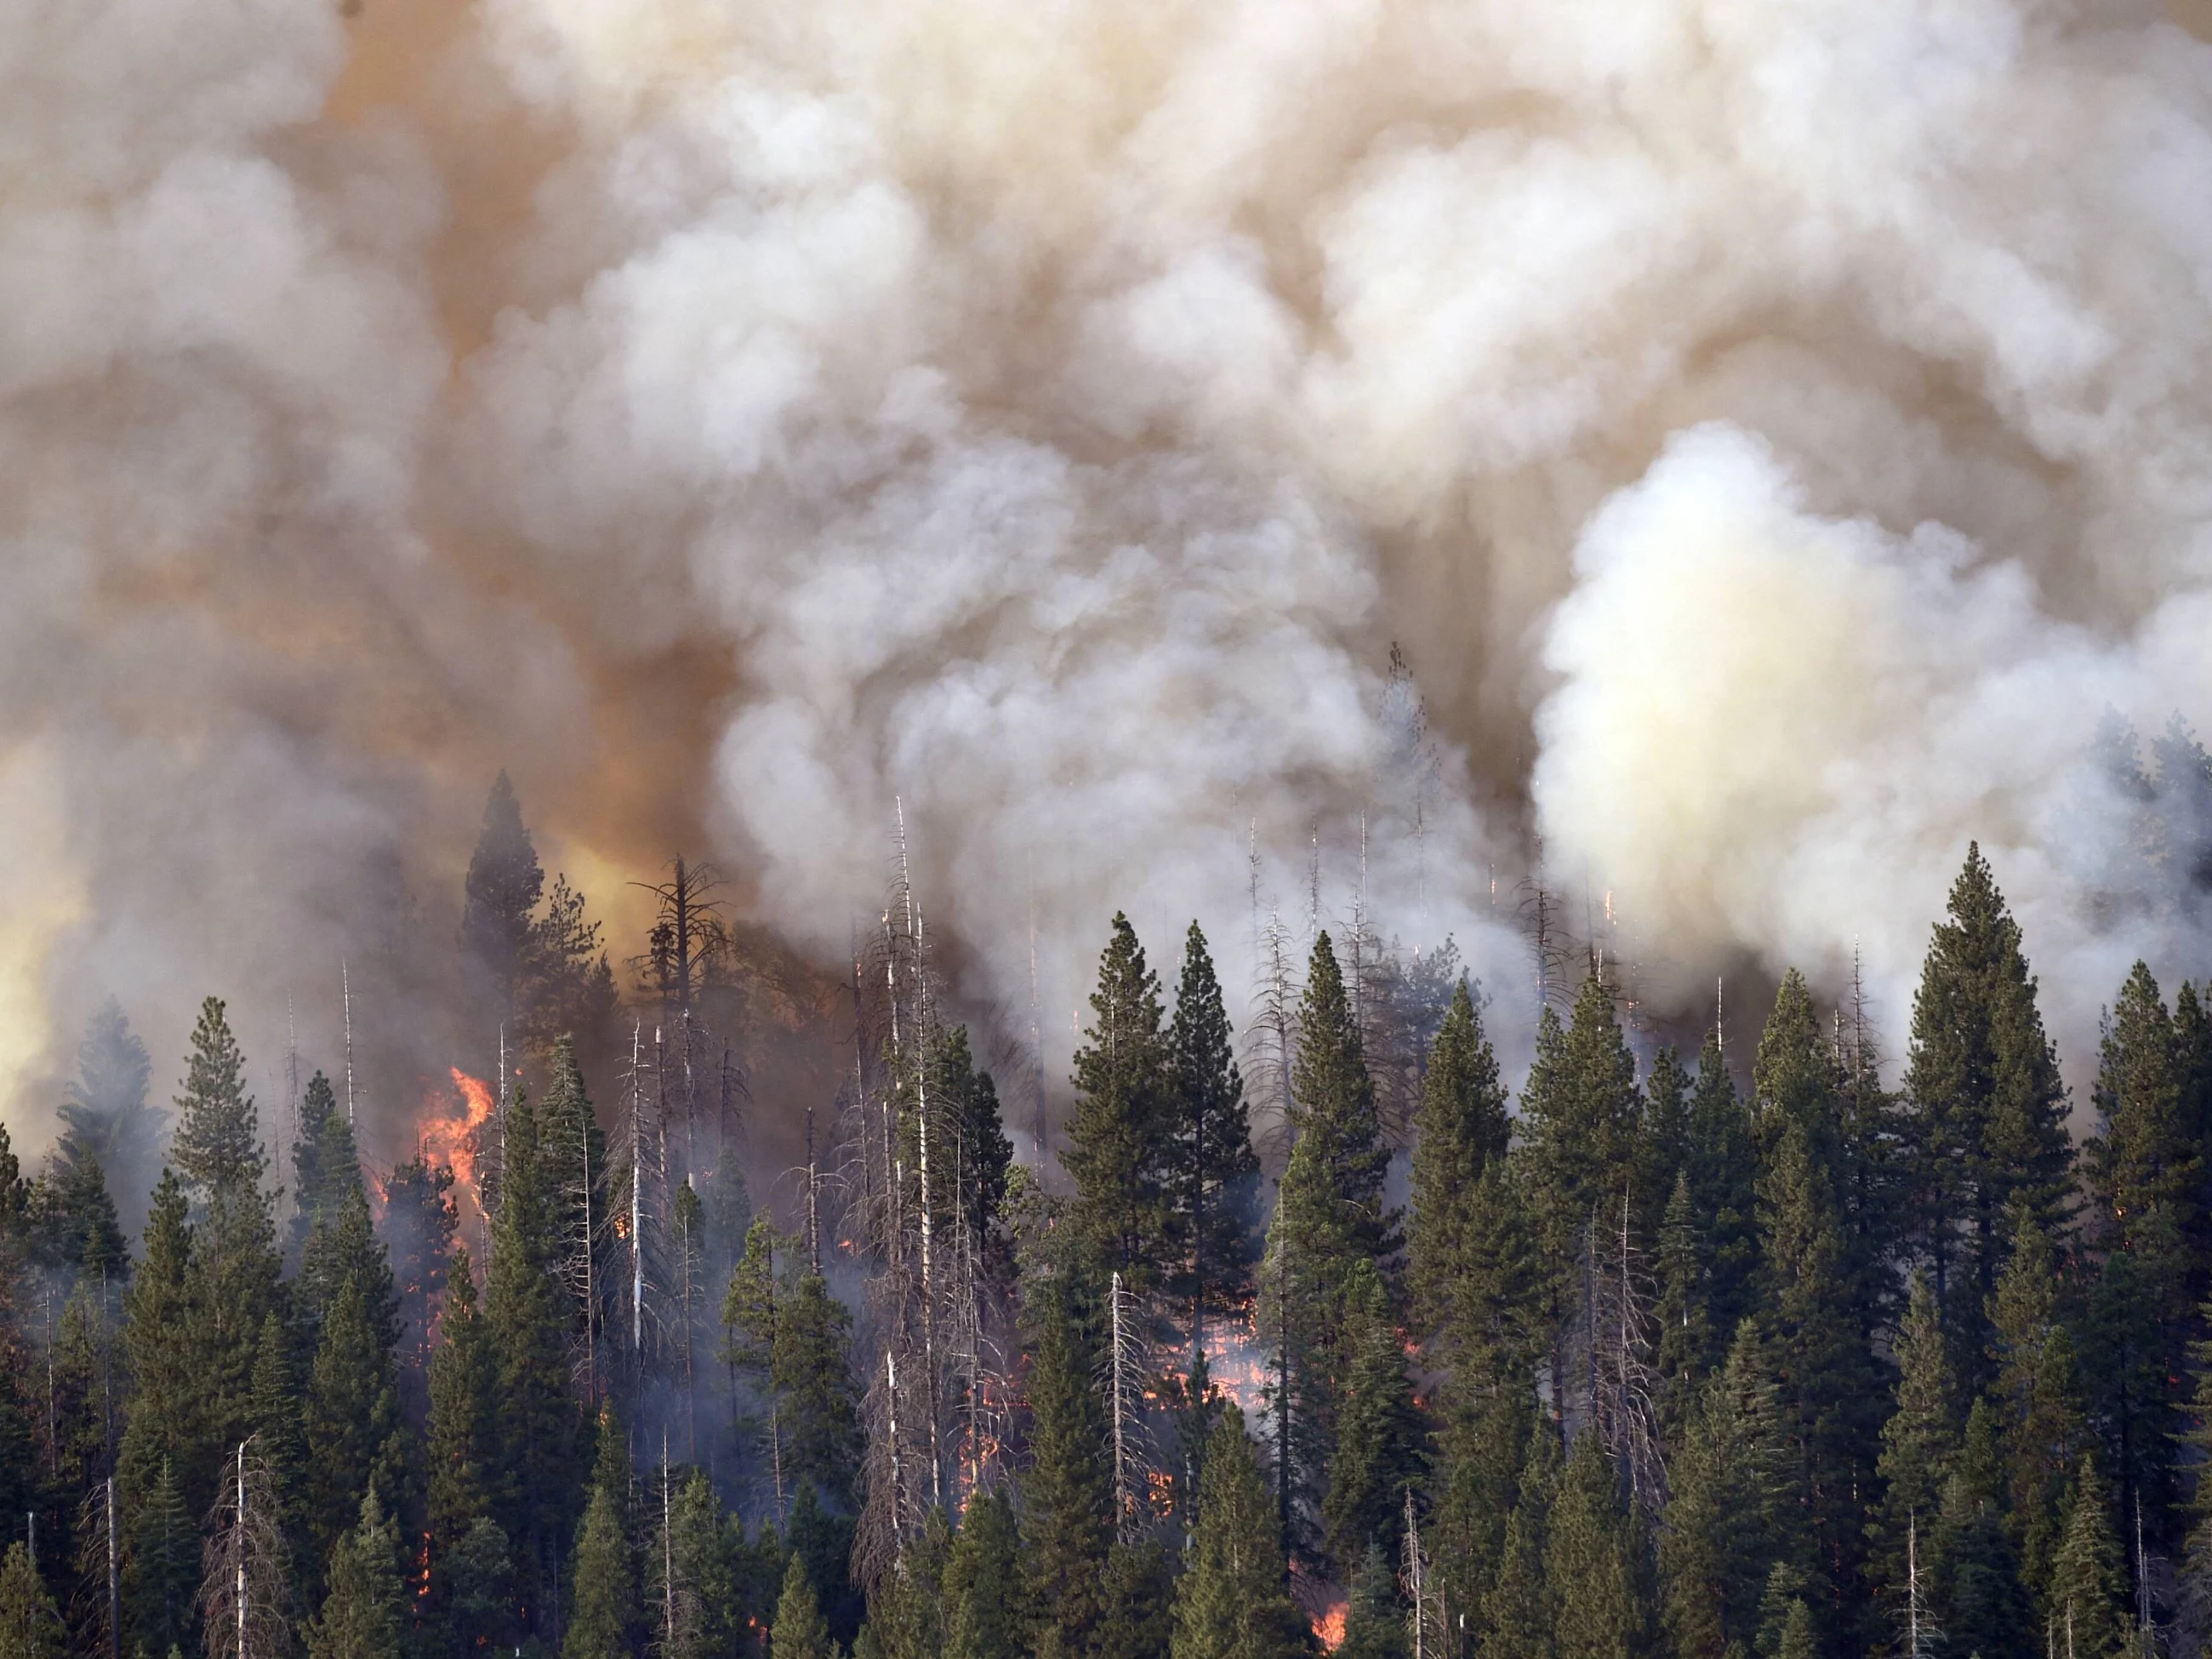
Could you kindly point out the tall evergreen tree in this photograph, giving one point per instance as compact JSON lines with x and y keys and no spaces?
{"x":1215,"y":1176}
{"x":505,"y":883}
{"x":216,"y":1148}
{"x":464,"y":1428}
{"x":602,"y":1622}
{"x":164,"y":1334}
{"x":366,"y":1615}
{"x":1917,"y":1442}
{"x":325,"y":1163}
{"x":1485,"y":1396}
{"x":1136,"y":1602}
{"x":1733,"y":1499}
{"x":2042,"y":1426}
{"x":2089,"y":1596}
{"x":1519,"y":1614}
{"x":30,"y":1623}
{"x":527,"y":1319}
{"x":162,"y":1569}
{"x":818,"y":1399}
{"x":1723,"y":1170}
{"x":1331,"y":1213}
{"x":1579,"y":1112}
{"x":1231,"y":1602}
{"x":2145,"y":1154}
{"x":1589,"y":1565}
{"x":1831,"y":1390}
{"x":1463,"y":1129}
{"x":1067,"y":1521}
{"x":1974,"y":1582}
{"x":1378,"y":1452}
{"x":355,"y":1442}
{"x":1116,"y":1149}
{"x":1987,"y":1105}
{"x":1374,"y":1622}
{"x":982,"y":1611}
{"x":799,"y":1631}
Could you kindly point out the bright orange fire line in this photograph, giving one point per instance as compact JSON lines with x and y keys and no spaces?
{"x":452,"y":1140}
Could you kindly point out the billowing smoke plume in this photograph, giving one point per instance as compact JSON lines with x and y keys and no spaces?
{"x":1776,"y":435}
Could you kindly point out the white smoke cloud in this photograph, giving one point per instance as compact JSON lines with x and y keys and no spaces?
{"x":1777,"y":432}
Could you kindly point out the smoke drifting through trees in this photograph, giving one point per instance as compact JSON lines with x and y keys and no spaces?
{"x":1069,"y":468}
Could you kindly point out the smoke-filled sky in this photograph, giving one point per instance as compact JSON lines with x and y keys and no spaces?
{"x":1776,"y":433}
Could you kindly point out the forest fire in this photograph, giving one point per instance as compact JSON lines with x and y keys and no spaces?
{"x":1328,"y":1627}
{"x":453,"y":1141}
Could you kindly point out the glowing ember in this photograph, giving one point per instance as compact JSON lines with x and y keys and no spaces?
{"x":1330,"y":1627}
{"x":452,"y":1140}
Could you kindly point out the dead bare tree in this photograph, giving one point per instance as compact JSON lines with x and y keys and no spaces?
{"x":242,"y":1595}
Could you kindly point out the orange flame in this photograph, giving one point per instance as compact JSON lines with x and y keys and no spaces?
{"x":1330,"y":1627}
{"x":452,"y":1140}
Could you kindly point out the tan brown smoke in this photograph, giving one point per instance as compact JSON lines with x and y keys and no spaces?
{"x":1775,"y":432}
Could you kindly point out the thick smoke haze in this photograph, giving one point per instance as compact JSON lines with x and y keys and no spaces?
{"x":1777,"y":435}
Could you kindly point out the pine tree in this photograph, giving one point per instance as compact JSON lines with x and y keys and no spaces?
{"x":2144,"y":1156}
{"x":1519,"y":1614}
{"x":1335,"y":1101}
{"x":1588,"y":1561}
{"x":505,"y":883}
{"x":811,"y":1379}
{"x":1377,"y":1453}
{"x":1799,"y":1640}
{"x":690,"y":1587}
{"x":164,"y":1338}
{"x":352,"y":1410}
{"x":604,"y":1580}
{"x":464,"y":1415}
{"x":1116,"y":1149}
{"x":1463,"y":1129}
{"x":1662,"y":1140}
{"x":475,"y":1580}
{"x":1973,"y":1574}
{"x":2041,"y":1413}
{"x":1579,"y":1112}
{"x":1920,"y":1440}
{"x":2088,"y":1594}
{"x":1136,"y":1602}
{"x":70,"y":1219}
{"x":30,"y":1623}
{"x":906,"y":1612}
{"x":1987,"y":1105}
{"x":1374,"y":1622}
{"x":572,"y":1154}
{"x":1734,"y":1506}
{"x":162,"y":1569}
{"x":749,"y":1336}
{"x":1215,"y":1176}
{"x":366,"y":1615}
{"x":1683,"y":1314}
{"x":526,"y":1318}
{"x":799,"y":1631}
{"x":1067,"y":1521}
{"x":1485,"y":1394}
{"x":1832,"y":1392}
{"x":1724,"y":1171}
{"x":279,"y":1436}
{"x":1231,"y":1602}
{"x":325,"y":1163}
{"x":215,"y":1149}
{"x":982,"y":1613}
{"x":1330,"y":1214}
